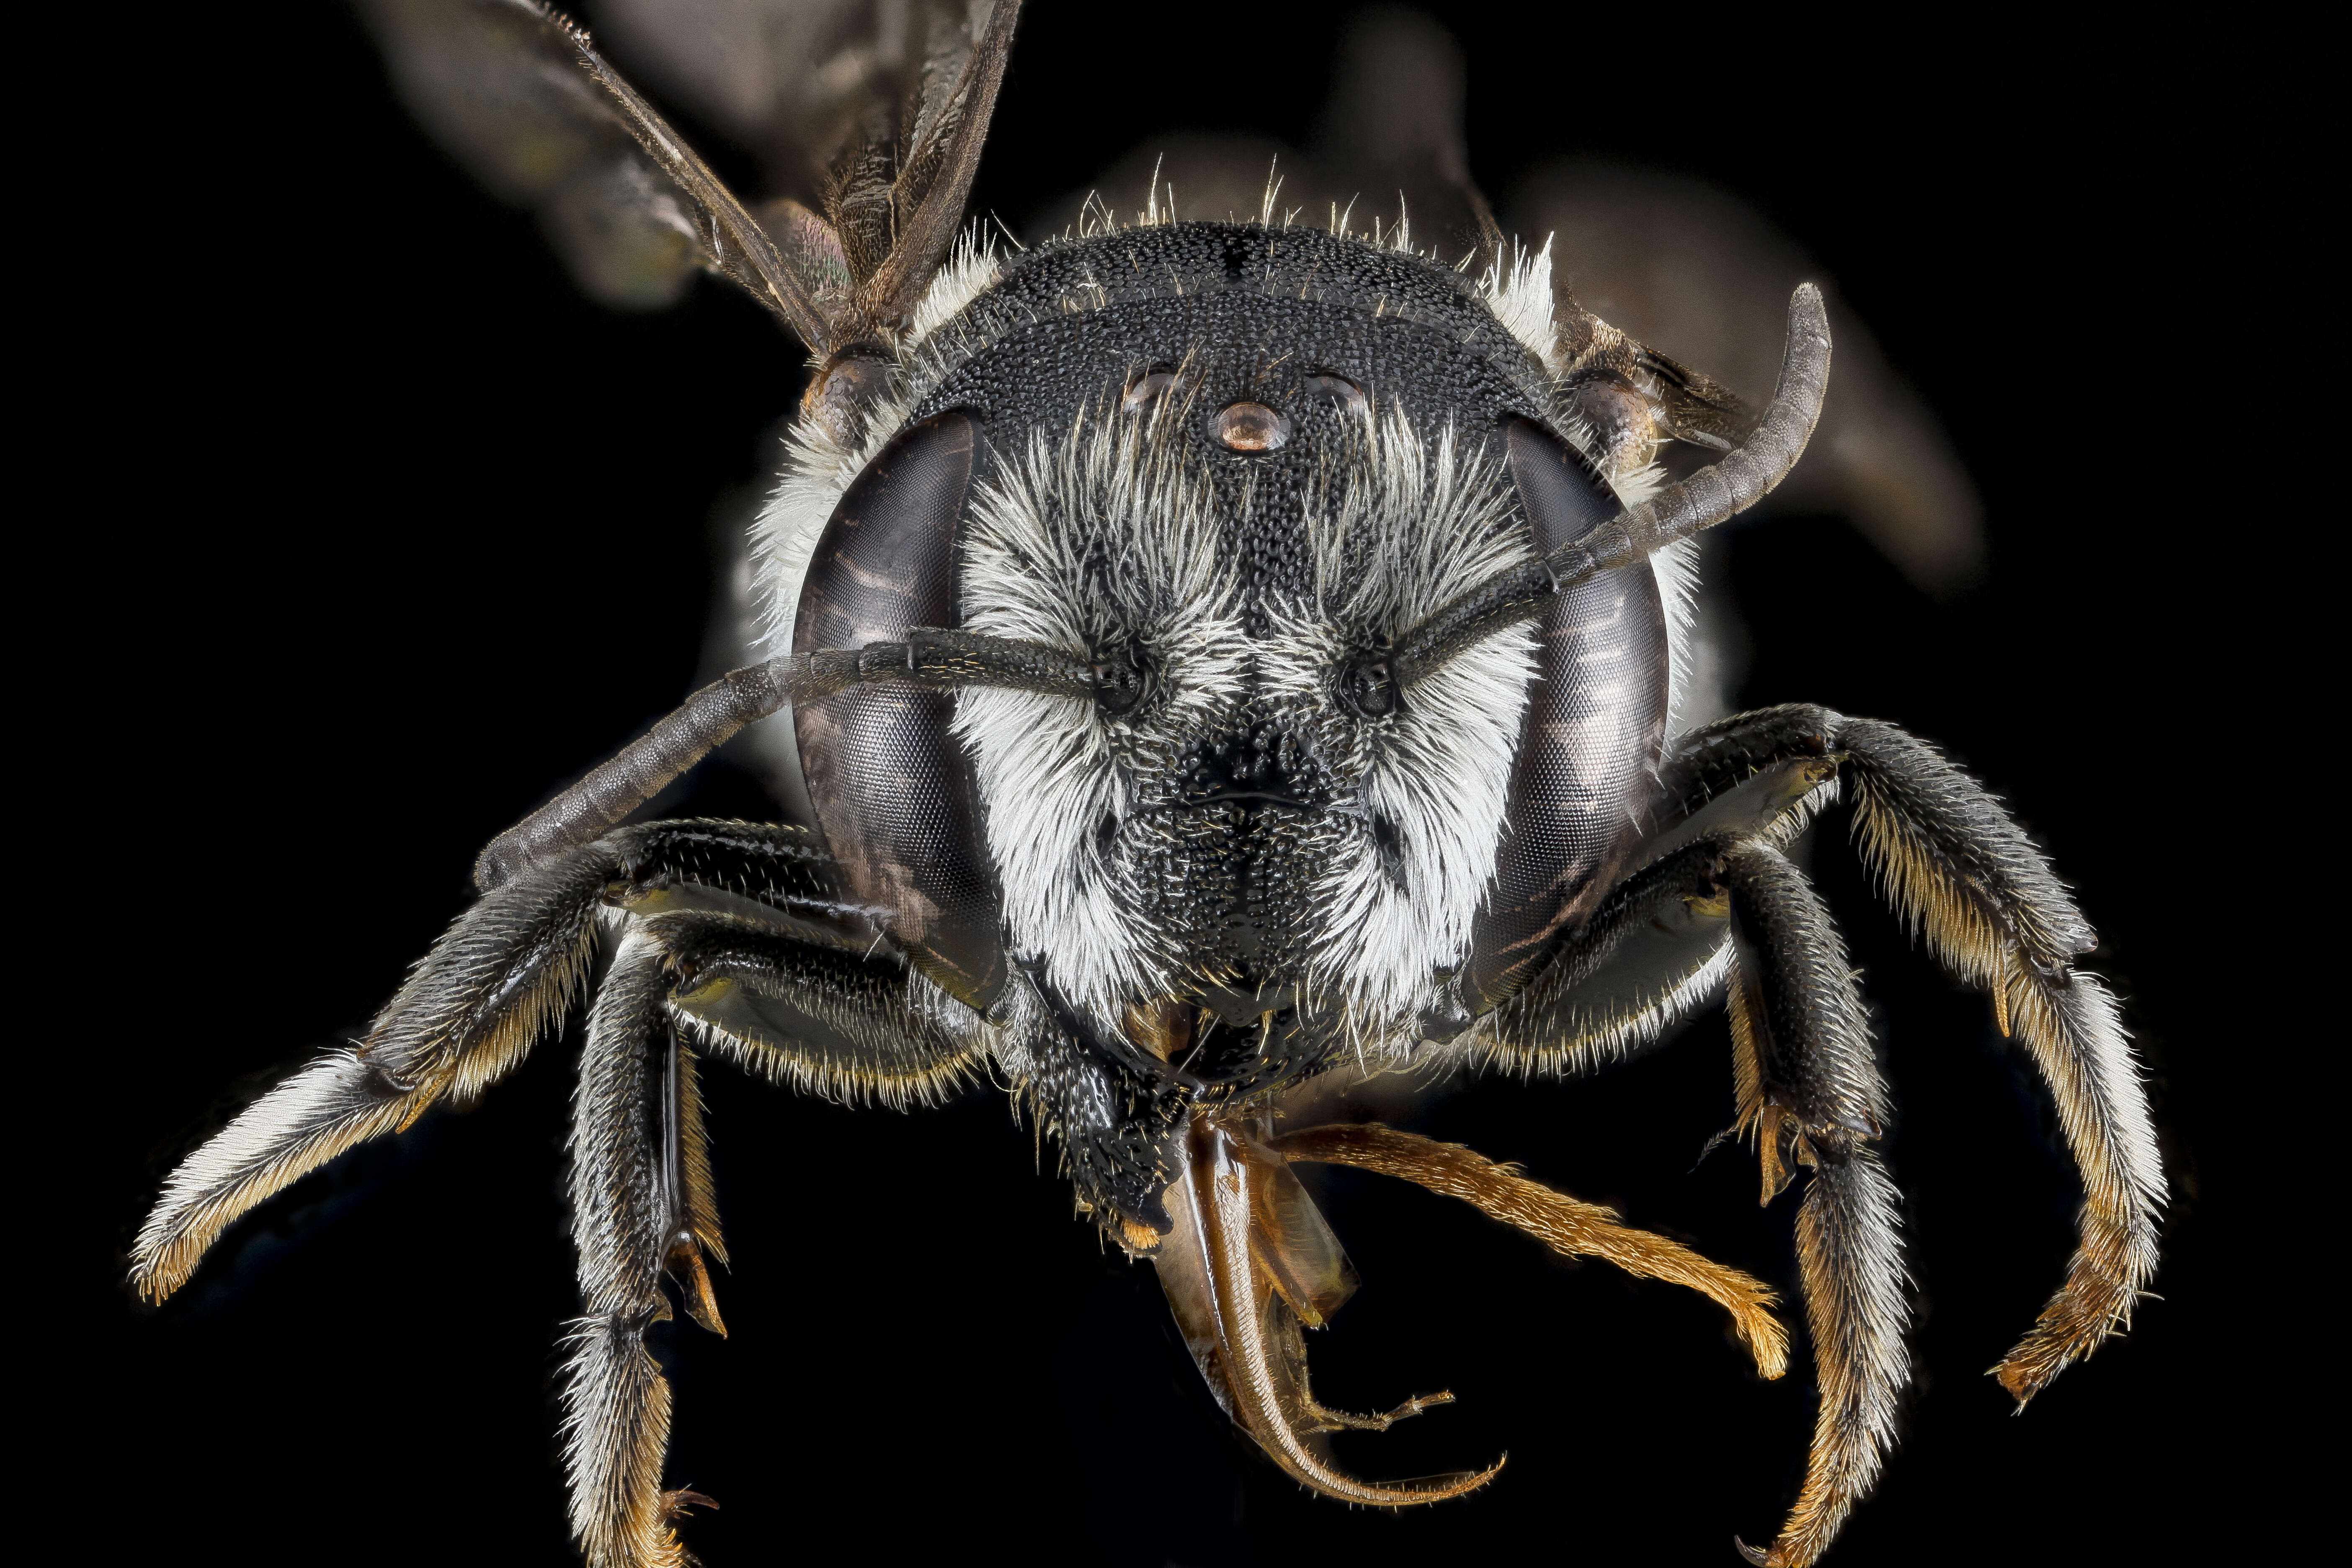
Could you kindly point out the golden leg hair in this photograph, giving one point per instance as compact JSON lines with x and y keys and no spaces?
{"x":615,"y":1433}
{"x":1852,"y":1272}
{"x":1960,"y":872}
{"x":1566,"y":1224}
{"x":1964,"y":878}
{"x":2073,"y":1031}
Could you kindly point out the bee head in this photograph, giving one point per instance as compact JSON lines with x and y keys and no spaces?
{"x":1230,"y":490}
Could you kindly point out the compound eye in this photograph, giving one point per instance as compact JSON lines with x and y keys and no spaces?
{"x":894,"y":789}
{"x":1121,"y":683}
{"x":1368,"y":688}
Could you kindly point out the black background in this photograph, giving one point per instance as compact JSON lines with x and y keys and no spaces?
{"x":376,"y":532}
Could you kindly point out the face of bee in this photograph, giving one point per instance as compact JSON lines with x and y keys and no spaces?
{"x":1250,"y":845}
{"x":1247,"y":820}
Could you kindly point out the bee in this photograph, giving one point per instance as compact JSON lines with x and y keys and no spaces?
{"x":1225,"y":660}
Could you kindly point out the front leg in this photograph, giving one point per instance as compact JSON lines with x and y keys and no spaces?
{"x":507,"y":971}
{"x":1658,"y":945}
{"x":1809,"y":1089}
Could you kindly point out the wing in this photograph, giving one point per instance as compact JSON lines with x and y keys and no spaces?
{"x":1648,"y":262}
{"x":872,"y":111}
{"x":789,"y":81}
{"x":495,"y":87}
{"x":876,"y":112}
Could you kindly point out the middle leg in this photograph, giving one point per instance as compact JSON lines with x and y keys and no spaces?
{"x":1728,"y":903}
{"x":628,"y":1207}
{"x":749,"y":985}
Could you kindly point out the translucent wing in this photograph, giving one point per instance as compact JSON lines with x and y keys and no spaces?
{"x":1681,"y":269}
{"x":849,"y":105}
{"x":874,"y":111}
{"x":789,"y":81}
{"x":495,"y":87}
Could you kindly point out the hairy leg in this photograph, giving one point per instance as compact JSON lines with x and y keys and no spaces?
{"x":507,"y":970}
{"x":624,"y":1218}
{"x":1658,"y":945}
{"x":1809,"y":1090}
{"x":853,"y":1025}
{"x":1963,"y":875}
{"x":1570,"y":1227}
{"x":469,"y":1012}
{"x":1720,"y":902}
{"x":848,"y":1025}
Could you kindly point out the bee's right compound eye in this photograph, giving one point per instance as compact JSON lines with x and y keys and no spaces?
{"x":892,"y":785}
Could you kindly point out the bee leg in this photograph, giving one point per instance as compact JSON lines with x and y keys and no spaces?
{"x":471,"y":1009}
{"x":1957,"y":867}
{"x":1721,"y":901}
{"x":1809,"y":1088}
{"x":1658,"y":944}
{"x":1567,"y":1227}
{"x":1959,"y":870}
{"x":750,"y":982}
{"x":616,"y":1401}
{"x":505,"y":972}
{"x":853,"y":1026}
